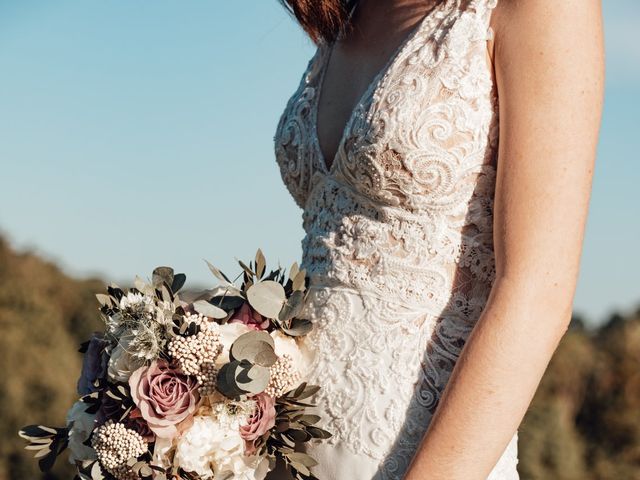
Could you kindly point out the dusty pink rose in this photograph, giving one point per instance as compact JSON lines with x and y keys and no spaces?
{"x":248,"y":316}
{"x":166,"y":397}
{"x":262,"y":420}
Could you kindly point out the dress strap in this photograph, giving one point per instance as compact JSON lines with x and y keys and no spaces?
{"x":484,"y":8}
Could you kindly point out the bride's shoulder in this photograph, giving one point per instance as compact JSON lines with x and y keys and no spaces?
{"x":537,"y":17}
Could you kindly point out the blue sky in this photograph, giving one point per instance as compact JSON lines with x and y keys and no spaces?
{"x":135,"y":133}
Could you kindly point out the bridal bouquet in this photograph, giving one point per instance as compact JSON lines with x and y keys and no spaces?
{"x":210,"y":388}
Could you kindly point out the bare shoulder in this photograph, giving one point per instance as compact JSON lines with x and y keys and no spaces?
{"x":547,"y":23}
{"x":549,"y":49}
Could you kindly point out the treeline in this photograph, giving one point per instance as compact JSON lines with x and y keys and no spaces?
{"x":584,"y":423}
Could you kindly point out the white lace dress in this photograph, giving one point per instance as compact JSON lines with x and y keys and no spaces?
{"x":398,"y":238}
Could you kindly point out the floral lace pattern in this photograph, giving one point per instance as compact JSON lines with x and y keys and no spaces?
{"x":399,"y":238}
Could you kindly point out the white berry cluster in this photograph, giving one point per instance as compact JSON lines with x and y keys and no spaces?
{"x":114,"y":444}
{"x":197,"y":353}
{"x":283,"y":377}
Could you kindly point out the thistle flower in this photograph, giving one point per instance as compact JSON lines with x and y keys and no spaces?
{"x":142,"y":323}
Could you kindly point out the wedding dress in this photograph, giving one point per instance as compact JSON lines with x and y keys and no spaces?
{"x":398,"y":240}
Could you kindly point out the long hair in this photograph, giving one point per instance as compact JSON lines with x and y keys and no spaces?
{"x":323,"y":20}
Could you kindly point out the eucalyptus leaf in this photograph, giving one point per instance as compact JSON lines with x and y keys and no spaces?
{"x":205,"y":308}
{"x":105,"y":300}
{"x":267,"y":298}
{"x":228,"y":302}
{"x":140,"y":284}
{"x":162,"y":275}
{"x":252,"y":378}
{"x":226,"y":380}
{"x":252,"y":346}
{"x":42,"y":451}
{"x":293,"y":271}
{"x":303,"y":458}
{"x":299,"y":280}
{"x":318,"y":433}
{"x":309,"y":419}
{"x":96,"y":472}
{"x":282,"y":426}
{"x":301,"y":468}
{"x":260,"y":263}
{"x":246,"y":268}
{"x":218,"y":274}
{"x":178,"y":282}
{"x":298,"y":327}
{"x":298,"y":435}
{"x":166,"y":294}
{"x":308,"y":391}
{"x":292,"y":307}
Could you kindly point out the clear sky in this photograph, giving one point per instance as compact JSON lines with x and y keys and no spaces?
{"x":135,"y":133}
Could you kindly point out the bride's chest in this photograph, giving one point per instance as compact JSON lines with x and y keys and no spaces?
{"x":420,"y":128}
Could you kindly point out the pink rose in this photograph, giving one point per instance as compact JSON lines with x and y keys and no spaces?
{"x":166,"y":397}
{"x":262,"y":420}
{"x":249,"y":317}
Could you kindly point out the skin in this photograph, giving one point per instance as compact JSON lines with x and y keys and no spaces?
{"x":549,"y":69}
{"x":379,"y":26}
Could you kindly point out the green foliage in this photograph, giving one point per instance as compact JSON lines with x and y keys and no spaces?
{"x":584,"y":422}
{"x":44,"y":316}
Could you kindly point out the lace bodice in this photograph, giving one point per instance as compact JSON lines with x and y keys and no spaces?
{"x":407,"y":202}
{"x":402,"y":219}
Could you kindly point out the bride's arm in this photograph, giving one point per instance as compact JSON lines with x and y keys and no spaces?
{"x":549,"y":66}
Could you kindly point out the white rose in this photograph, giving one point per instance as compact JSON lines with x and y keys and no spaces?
{"x":209,"y":447}
{"x":83,"y":425}
{"x":296,"y":348}
{"x":229,"y":332}
{"x":121,"y":363}
{"x":196,"y":446}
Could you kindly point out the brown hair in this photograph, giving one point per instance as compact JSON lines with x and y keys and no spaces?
{"x":323,"y":20}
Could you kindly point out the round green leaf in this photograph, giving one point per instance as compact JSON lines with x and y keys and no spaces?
{"x":267,"y":298}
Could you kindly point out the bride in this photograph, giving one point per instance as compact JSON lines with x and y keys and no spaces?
{"x":442,"y":152}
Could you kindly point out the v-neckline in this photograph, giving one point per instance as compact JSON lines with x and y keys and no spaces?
{"x":371,"y":89}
